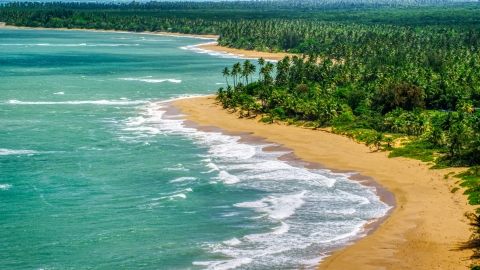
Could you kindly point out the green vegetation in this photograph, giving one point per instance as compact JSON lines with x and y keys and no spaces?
{"x":395,"y":75}
{"x":421,"y":150}
{"x":470,"y":180}
{"x":373,"y":109}
{"x":231,"y":16}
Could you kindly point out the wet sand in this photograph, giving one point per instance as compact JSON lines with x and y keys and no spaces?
{"x":422,"y":232}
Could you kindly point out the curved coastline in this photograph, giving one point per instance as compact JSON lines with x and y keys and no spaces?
{"x":422,"y":232}
{"x":384,"y":195}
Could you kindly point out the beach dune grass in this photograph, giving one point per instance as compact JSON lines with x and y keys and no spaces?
{"x":420,"y":150}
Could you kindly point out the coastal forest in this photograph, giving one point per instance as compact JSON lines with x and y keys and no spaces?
{"x":402,"y":76}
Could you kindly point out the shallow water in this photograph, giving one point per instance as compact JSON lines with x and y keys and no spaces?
{"x":93,"y":174}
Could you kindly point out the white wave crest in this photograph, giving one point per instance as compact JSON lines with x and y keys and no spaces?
{"x":277,"y":207}
{"x":297,"y":203}
{"x":70,"y":45}
{"x":171,"y":197}
{"x":212,"y":167}
{"x":224,"y":265}
{"x":217,"y":53}
{"x":181,"y":195}
{"x":221,"y":54}
{"x":352,"y":197}
{"x":148,"y":80}
{"x":6,"y":152}
{"x":182,"y":179}
{"x":82,"y":102}
{"x":232,"y":242}
{"x":228,"y":178}
{"x":5,"y":186}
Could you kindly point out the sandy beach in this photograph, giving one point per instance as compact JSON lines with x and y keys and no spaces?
{"x":428,"y":223}
{"x":245,"y":53}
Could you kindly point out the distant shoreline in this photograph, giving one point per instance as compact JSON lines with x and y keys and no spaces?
{"x":3,"y":25}
{"x":424,"y":230}
{"x":210,"y":47}
{"x":245,"y":53}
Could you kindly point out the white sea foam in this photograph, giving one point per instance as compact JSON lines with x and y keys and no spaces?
{"x":342,"y":212}
{"x":5,"y":186}
{"x":59,"y":93}
{"x":150,"y":80}
{"x":275,"y":170}
{"x":229,"y":148}
{"x":6,"y":152}
{"x":227,"y":178}
{"x":217,"y":53}
{"x":181,"y":195}
{"x":277,"y":207}
{"x":182,"y":179}
{"x":179,"y":167}
{"x":300,"y":206}
{"x":353,"y":198}
{"x":196,"y":48}
{"x":282,"y":229}
{"x":80,"y":102}
{"x":171,"y":197}
{"x":212,"y":167}
{"x":70,"y":45}
{"x":232,"y":242}
{"x":156,"y":40}
{"x":224,"y":265}
{"x":229,"y":215}
{"x":150,"y":130}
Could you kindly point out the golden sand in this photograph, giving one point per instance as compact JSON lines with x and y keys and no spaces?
{"x":245,"y":53}
{"x":424,"y":230}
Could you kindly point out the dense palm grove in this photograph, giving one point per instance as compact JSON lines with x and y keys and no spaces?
{"x":421,"y":82}
{"x":218,"y":17}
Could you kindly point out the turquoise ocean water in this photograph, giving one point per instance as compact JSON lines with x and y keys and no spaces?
{"x":94,"y":175}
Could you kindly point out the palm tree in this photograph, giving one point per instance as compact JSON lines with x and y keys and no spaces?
{"x":248,"y":69}
{"x":226,"y":73}
{"x":236,"y":70}
{"x":261,"y":62}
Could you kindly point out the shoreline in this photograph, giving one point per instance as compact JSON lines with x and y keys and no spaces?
{"x":381,"y":192}
{"x":422,"y":232}
{"x":244,"y":53}
{"x":208,"y":47}
{"x":3,"y":25}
